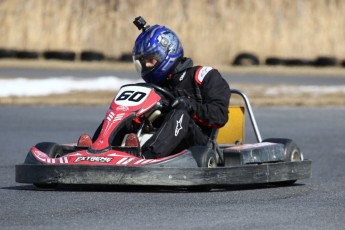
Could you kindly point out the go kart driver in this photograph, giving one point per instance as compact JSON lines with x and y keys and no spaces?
{"x":202,"y":95}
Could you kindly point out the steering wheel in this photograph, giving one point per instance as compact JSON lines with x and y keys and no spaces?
{"x":165,"y":92}
{"x":167,"y":95}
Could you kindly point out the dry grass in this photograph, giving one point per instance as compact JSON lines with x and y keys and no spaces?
{"x":219,"y":28}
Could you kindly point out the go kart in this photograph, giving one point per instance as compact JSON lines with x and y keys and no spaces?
{"x":225,"y":160}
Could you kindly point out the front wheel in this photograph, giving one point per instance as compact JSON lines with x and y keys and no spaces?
{"x":52,"y":149}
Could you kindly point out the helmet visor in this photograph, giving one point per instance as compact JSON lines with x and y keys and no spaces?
{"x":145,"y":64}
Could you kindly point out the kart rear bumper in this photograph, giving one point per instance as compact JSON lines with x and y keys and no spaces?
{"x":159,"y":176}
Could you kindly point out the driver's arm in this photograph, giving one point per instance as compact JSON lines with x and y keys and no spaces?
{"x":215,"y":92}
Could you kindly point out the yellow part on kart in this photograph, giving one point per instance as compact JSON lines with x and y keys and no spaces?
{"x":233,"y":131}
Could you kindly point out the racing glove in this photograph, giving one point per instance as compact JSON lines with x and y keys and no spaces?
{"x":184,"y":103}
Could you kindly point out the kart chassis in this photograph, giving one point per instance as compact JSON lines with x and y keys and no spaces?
{"x":254,"y":164}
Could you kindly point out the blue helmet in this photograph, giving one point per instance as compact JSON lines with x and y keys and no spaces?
{"x":163,"y":45}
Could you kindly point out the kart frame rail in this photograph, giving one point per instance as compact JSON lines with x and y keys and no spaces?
{"x":250,"y":113}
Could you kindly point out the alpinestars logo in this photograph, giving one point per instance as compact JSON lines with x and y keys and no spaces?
{"x":182,"y":76}
{"x":178,"y":126}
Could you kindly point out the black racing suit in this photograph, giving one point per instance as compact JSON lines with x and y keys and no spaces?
{"x":209,"y":96}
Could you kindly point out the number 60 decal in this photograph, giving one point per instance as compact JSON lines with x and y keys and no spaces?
{"x":131,"y":95}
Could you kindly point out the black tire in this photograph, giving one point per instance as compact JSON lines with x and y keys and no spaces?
{"x":204,"y":156}
{"x":274,"y":61}
{"x":5,"y":53}
{"x":126,"y":57}
{"x":246,"y":59}
{"x":59,"y":55}
{"x":297,"y":62}
{"x":91,"y":56}
{"x":325,"y":61}
{"x":27,"y":55}
{"x":53,"y":150}
{"x":342,"y":63}
{"x":291,"y":151}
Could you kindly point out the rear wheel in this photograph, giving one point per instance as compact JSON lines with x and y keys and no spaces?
{"x":291,"y":153}
{"x":204,"y":156}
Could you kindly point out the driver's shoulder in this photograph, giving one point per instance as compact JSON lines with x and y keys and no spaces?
{"x":190,"y":76}
{"x":200,"y":73}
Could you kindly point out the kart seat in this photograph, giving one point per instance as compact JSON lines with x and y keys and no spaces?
{"x":233,"y":131}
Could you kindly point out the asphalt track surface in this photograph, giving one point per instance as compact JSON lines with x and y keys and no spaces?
{"x":244,"y":78}
{"x":316,"y":203}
